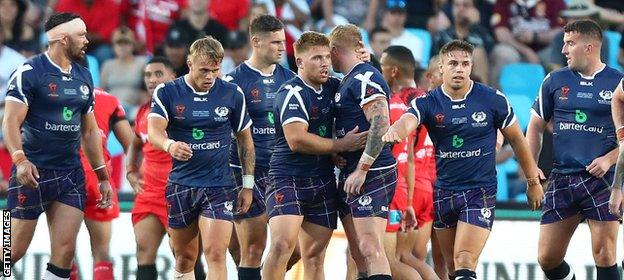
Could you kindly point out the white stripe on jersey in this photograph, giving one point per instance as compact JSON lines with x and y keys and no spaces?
{"x":228,"y":78}
{"x":158,"y":102}
{"x":505,"y":124}
{"x":293,"y":91}
{"x":294,"y":119}
{"x":242,"y":113}
{"x":18,"y":75}
{"x":365,"y":81}
{"x":539,"y":98}
{"x":415,"y":109}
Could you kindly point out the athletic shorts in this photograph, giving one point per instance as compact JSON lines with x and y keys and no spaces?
{"x":570,"y":194}
{"x":423,"y":202}
{"x":373,"y":201}
{"x":473,"y":206}
{"x":396,"y":211}
{"x":314,"y":198}
{"x":152,"y":200}
{"x":64,"y":186}
{"x":258,"y":206}
{"x":185,"y":204}
{"x":91,"y":211}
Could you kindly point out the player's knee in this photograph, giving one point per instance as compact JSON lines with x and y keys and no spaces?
{"x":283,"y":246}
{"x":465,"y":259}
{"x":17,"y":254}
{"x":370,"y":246}
{"x":548,"y":261}
{"x":214,"y":255}
{"x":314,"y":262}
{"x":604,"y":256}
{"x":254,"y":251}
{"x":185,"y":261}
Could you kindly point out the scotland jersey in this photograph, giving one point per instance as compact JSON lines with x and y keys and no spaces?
{"x":298,"y":102}
{"x":580,"y":108}
{"x":56,"y":101}
{"x":361,"y":85}
{"x":205,"y":121}
{"x":464,"y":134}
{"x":260,"y":91}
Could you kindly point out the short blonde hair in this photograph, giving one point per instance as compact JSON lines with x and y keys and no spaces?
{"x":207,"y":48}
{"x":345,"y":36}
{"x":308,"y":40}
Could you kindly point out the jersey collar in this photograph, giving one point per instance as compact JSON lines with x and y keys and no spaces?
{"x":311,"y":87}
{"x":461,"y":99}
{"x":258,"y":71}
{"x":593,"y":75}
{"x":56,"y":65}
{"x":356,"y":65}
{"x":198,"y":92}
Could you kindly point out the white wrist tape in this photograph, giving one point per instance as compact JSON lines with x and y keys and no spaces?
{"x":248,"y":181}
{"x":168,"y":144}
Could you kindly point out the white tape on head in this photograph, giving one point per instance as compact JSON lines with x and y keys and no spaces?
{"x":71,"y":27}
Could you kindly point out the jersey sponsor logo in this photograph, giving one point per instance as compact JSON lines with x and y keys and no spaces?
{"x":580,"y":127}
{"x":52,"y":88}
{"x":340,"y":132}
{"x":458,"y":106}
{"x":62,"y":127}
{"x":267,"y":81}
{"x":206,"y":146}
{"x":587,"y":84}
{"x":271,"y":117}
{"x":605,"y":97}
{"x":580,"y":116}
{"x":70,"y":91}
{"x":586,"y":95}
{"x":200,"y":99}
{"x":263,"y":130}
{"x":458,"y":142}
{"x":565,"y":91}
{"x":479,"y":118}
{"x":461,"y":154}
{"x":201,"y":113}
{"x":67,"y":114}
{"x":197,"y":134}
{"x":85,"y":91}
{"x":322,"y":131}
{"x":459,"y":120}
{"x":222,"y":113}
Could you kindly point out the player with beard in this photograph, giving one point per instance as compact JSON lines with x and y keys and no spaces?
{"x":49,"y":115}
{"x":462,"y":118}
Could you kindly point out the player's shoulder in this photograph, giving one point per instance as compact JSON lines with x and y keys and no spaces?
{"x":294,"y":83}
{"x":235,"y":74}
{"x":284,"y":71}
{"x":559,"y":75}
{"x":612,"y":72}
{"x":227,"y":86}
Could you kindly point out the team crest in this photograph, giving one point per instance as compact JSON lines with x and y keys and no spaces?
{"x":439,"y":119}
{"x":228,"y":206}
{"x":255,"y":95}
{"x":365,"y":200}
{"x":52,"y":88}
{"x":479,"y":117}
{"x":486,"y":213}
{"x":222,"y":111}
{"x":606,"y":96}
{"x":337,"y":97}
{"x":85,"y":91}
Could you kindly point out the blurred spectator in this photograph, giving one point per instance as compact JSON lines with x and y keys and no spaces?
{"x":101,"y":17}
{"x":523,"y":28}
{"x":17,"y":35}
{"x":257,"y":8}
{"x":480,"y":14}
{"x":611,"y":11}
{"x":123,"y":75}
{"x":198,"y":23}
{"x":420,"y":13}
{"x":577,"y":9}
{"x":230,"y":13}
{"x":294,"y":14}
{"x":379,"y":39}
{"x":176,"y":49}
{"x":394,"y":20}
{"x":362,"y":13}
{"x":150,"y":19}
{"x":466,"y":27}
{"x":237,"y":50}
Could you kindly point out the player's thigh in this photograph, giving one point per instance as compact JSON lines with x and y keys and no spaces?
{"x":285,"y":229}
{"x":446,"y":242}
{"x":422,"y":238}
{"x":64,"y":223}
{"x":554,"y":239}
{"x":314,"y":239}
{"x":215,"y":235}
{"x":99,"y":231}
{"x":251,"y":230}
{"x":149,"y":231}
{"x":184,"y":241}
{"x":604,"y":239}
{"x":406,"y":241}
{"x":471,"y":239}
{"x":22,"y":232}
{"x":390,"y":245}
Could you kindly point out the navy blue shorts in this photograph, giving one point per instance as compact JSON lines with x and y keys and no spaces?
{"x":570,"y":194}
{"x":185,"y":204}
{"x":376,"y":195}
{"x":473,"y":206}
{"x":64,"y":186}
{"x":258,"y":206}
{"x":314,"y":198}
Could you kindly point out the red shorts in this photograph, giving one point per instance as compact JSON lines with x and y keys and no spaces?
{"x":397,"y":207}
{"x":423,"y":201}
{"x":152,"y":200}
{"x":91,"y":211}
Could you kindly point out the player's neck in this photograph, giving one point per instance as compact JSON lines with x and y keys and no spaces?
{"x":309,"y":82}
{"x":402,"y":83}
{"x":59,"y":58}
{"x":457,"y":94}
{"x":349,"y":63}
{"x":262,"y":66}
{"x":592,"y":67}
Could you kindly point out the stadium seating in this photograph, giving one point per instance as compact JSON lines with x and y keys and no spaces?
{"x":522,"y":108}
{"x":614,"y":47}
{"x":94,"y":68}
{"x":521,"y":79}
{"x":427,"y":43}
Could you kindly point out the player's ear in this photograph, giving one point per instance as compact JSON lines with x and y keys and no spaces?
{"x":255,"y":41}
{"x":299,"y":62}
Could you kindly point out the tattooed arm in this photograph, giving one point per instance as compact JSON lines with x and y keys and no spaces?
{"x":247,"y":157}
{"x":617,"y":111}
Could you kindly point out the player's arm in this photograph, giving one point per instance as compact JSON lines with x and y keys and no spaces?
{"x":541,"y":114}
{"x":617,"y":111}
{"x":123,"y":133}
{"x":91,"y":142}
{"x":246,"y":151}
{"x":301,"y":141}
{"x":15,"y":113}
{"x":399,"y":130}
{"x":133,"y":161}
{"x":157,"y":122}
{"x":535,"y":135}
{"x":410,"y":214}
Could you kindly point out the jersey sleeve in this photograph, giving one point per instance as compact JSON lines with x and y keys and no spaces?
{"x":503,"y":112}
{"x":543,"y":106}
{"x":90,"y":104}
{"x":119,"y":114}
{"x":418,"y":109}
{"x":240,"y":119}
{"x":160,"y":104}
{"x":22,"y":84}
{"x":369,"y":87}
{"x":293,"y":109}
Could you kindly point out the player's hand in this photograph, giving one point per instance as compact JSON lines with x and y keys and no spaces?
{"x":393,"y":135}
{"x":27,"y":174}
{"x":339,"y":161}
{"x":353,"y":185}
{"x":535,"y":195}
{"x":180,"y":151}
{"x":409,"y":219}
{"x":353,"y":141}
{"x":243,"y":202}
{"x":362,"y":53}
{"x":599,"y":166}
{"x":615,"y":202}
{"x":106,"y":195}
{"x":136,"y":181}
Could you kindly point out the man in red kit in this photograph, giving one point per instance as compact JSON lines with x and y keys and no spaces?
{"x":109,"y":115}
{"x":398,"y":66}
{"x":150,"y":19}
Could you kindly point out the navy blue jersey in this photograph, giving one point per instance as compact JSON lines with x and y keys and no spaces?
{"x":260,"y":91}
{"x":464,"y":134}
{"x":298,"y":102}
{"x":580,"y":108}
{"x":56,"y":101}
{"x":205,"y":121}
{"x":363,"y":84}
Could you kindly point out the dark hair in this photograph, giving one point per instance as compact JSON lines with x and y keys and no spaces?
{"x":265,"y":24}
{"x":403,"y":58}
{"x":456,"y":45}
{"x":585,"y":27}
{"x":376,"y":30}
{"x":57,"y":19}
{"x":161,"y":59}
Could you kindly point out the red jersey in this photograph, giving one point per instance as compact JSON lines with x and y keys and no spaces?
{"x":424,"y":157}
{"x":150,"y":19}
{"x":150,"y":153}
{"x":229,"y":12}
{"x":102,"y":17}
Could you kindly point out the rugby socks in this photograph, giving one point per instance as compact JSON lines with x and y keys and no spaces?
{"x":199,"y":270}
{"x":183,"y":276}
{"x":103,"y":270}
{"x":465,"y":274}
{"x":147,"y":272}
{"x":379,"y":277}
{"x":561,"y":272}
{"x":607,"y":273}
{"x":74,"y":275}
{"x":249,"y":273}
{"x":54,"y":272}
